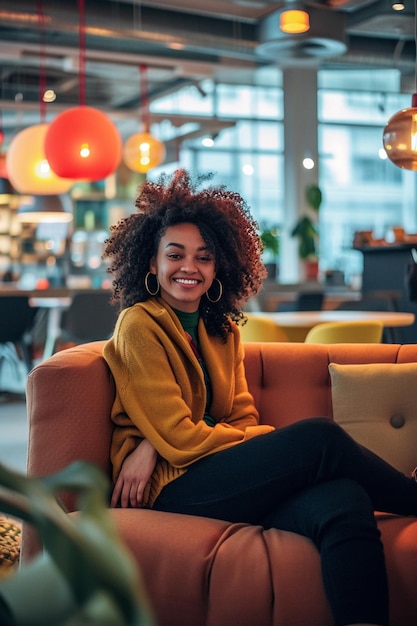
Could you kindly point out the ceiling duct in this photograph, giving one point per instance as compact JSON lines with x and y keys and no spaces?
{"x":326,"y":37}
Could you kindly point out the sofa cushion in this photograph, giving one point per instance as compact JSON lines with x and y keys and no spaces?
{"x":377,"y":405}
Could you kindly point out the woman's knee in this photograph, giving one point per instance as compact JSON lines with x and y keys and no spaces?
{"x":347,"y":496}
{"x":333,"y":508}
{"x":346,"y":503}
{"x":326,"y":430}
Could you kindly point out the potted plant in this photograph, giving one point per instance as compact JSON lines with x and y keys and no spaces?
{"x":270,"y":240}
{"x":306,"y":231}
{"x":85,"y":575}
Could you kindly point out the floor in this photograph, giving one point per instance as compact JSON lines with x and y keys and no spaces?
{"x":13,"y":420}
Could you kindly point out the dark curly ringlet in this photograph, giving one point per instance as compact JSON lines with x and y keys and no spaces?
{"x":226,"y":226}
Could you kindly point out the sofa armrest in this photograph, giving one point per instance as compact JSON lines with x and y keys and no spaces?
{"x":69,"y":401}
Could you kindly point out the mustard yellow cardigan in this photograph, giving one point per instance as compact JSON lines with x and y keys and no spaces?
{"x":161,"y":395}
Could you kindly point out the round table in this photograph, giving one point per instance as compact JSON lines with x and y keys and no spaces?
{"x":297,"y":323}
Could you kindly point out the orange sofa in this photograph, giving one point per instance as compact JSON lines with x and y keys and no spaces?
{"x":200,"y":571}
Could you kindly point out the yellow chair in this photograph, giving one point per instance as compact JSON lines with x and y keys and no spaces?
{"x":258,"y":328}
{"x":346,"y":332}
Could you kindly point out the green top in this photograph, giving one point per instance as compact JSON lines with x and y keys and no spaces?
{"x":189,"y":322}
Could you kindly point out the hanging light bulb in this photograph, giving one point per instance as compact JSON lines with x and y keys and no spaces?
{"x":294,"y":21}
{"x":142,"y":151}
{"x":83,"y":142}
{"x":400,"y":133}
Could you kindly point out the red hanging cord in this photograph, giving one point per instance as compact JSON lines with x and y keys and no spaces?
{"x":82,"y":90}
{"x":42,"y":60}
{"x":144,"y":97}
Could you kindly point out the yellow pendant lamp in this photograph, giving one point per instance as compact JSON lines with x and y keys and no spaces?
{"x":142,"y":151}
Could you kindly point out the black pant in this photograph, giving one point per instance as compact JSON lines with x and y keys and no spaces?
{"x":310,"y":478}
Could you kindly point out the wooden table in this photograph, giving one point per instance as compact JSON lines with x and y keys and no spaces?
{"x":297,"y":323}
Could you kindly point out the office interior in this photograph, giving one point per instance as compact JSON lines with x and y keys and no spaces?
{"x":225,"y":91}
{"x":270,"y":115}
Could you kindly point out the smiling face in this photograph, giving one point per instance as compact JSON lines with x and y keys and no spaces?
{"x":184,"y":266}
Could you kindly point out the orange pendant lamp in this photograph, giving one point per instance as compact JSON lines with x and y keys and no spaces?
{"x":83,"y":142}
{"x":142,"y":151}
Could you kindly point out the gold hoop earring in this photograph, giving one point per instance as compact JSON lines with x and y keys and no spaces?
{"x":151,"y":293}
{"x":220,"y":293}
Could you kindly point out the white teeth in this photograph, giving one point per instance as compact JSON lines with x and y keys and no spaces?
{"x":184,"y":281}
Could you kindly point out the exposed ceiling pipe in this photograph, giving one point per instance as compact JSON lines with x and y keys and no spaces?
{"x":169,"y":35}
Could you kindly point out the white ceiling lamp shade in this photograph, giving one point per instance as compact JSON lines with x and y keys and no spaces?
{"x":325,"y":37}
{"x":45,"y":208}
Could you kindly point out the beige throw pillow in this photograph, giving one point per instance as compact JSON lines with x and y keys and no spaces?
{"x":377,"y":405}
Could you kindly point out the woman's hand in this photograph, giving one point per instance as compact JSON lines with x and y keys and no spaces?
{"x":134,"y":475}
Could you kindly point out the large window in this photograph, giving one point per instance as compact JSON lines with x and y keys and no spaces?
{"x":248,"y":155}
{"x":362,"y":189}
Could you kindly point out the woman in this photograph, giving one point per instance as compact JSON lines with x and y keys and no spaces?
{"x":187,"y":436}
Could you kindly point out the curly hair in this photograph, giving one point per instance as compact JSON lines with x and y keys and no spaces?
{"x":226,"y":226}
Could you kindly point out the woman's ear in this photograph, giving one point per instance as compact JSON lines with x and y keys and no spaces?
{"x":152,"y":265}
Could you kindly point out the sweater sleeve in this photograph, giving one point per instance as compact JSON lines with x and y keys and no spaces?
{"x":160,"y":391}
{"x":242,"y":413}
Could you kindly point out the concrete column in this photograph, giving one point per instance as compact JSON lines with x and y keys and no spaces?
{"x":300,"y":140}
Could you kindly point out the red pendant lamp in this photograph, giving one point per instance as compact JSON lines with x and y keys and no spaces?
{"x":142,"y":151}
{"x":83,"y":142}
{"x":3,"y":170}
